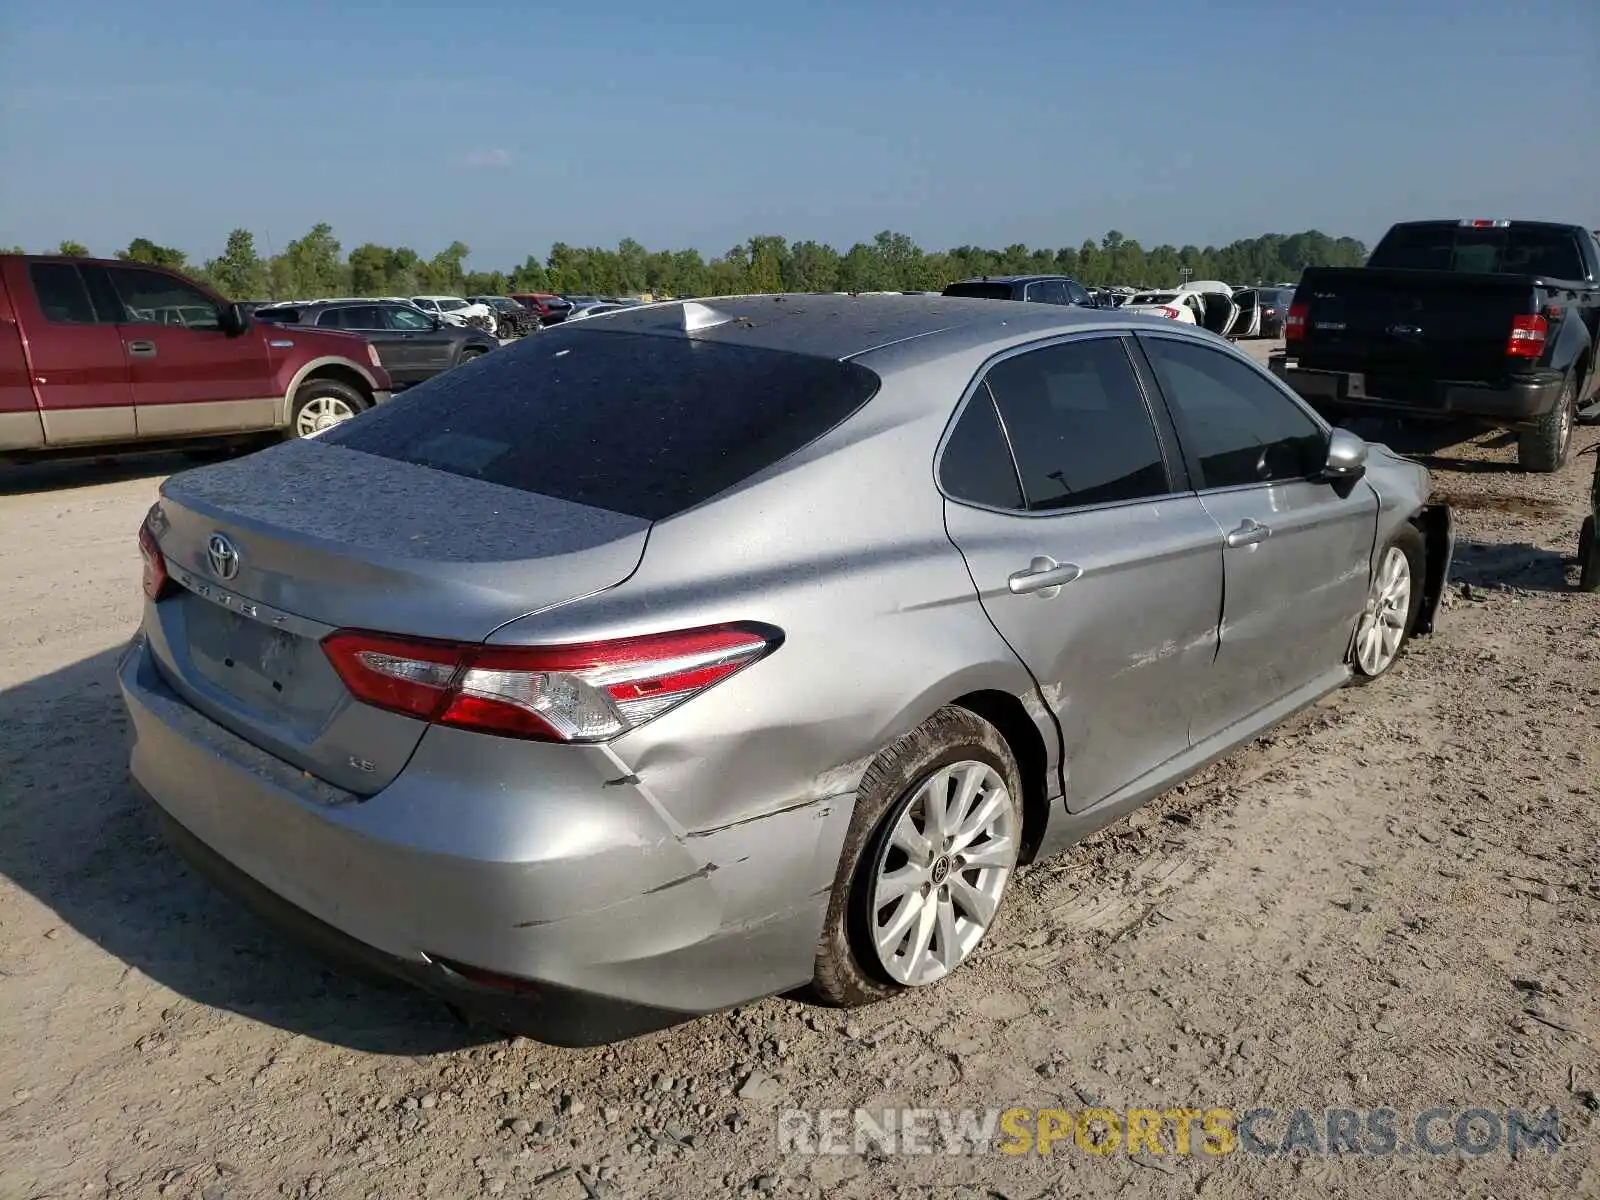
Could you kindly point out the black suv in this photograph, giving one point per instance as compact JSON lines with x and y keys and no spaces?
{"x":1041,"y":289}
{"x":412,"y":345}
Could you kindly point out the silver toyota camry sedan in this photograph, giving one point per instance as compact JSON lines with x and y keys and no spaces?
{"x":720,"y":649}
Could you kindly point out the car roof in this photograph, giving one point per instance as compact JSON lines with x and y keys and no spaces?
{"x":843,"y":326}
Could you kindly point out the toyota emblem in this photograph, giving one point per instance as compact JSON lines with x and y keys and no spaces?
{"x":223,"y":556}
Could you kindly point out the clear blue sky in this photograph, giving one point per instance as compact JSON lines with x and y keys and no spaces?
{"x":512,"y":125}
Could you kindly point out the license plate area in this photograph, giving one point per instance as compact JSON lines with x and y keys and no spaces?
{"x":272,"y":671}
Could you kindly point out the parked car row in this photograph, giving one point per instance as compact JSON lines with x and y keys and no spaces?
{"x":411,"y":344}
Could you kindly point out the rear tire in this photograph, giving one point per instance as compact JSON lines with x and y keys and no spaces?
{"x":1589,"y":557}
{"x":1386,"y":621}
{"x":320,"y":404}
{"x":1544,"y":448}
{"x":850,"y":968}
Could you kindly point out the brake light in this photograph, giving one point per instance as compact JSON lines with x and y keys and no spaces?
{"x":579,"y":692}
{"x":156,"y":582}
{"x":1169,"y":312}
{"x":1528,"y":336}
{"x":1294,"y":325}
{"x":1482,"y":223}
{"x":372,"y":355}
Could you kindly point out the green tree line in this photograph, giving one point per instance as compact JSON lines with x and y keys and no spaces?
{"x":317,"y":265}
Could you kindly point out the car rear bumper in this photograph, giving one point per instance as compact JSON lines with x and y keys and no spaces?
{"x":570,"y":910}
{"x":1522,"y":401}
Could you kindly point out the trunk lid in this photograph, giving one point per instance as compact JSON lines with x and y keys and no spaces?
{"x":1413,"y":325}
{"x":324,"y":537}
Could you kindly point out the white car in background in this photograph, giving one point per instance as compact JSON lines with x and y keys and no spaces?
{"x":457,"y":311}
{"x":1184,"y":307}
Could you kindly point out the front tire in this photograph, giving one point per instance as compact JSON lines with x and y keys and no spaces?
{"x":1544,"y":448}
{"x":931,"y":848}
{"x":320,"y":404}
{"x":1394,"y":599}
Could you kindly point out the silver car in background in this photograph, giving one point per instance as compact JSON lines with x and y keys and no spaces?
{"x":707,"y":651}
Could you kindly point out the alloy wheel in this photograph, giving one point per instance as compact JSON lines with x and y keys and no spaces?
{"x":944,"y":867}
{"x":1383,"y":622}
{"x":321,"y":413}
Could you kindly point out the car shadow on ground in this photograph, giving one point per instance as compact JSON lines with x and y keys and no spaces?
{"x":1424,"y":442}
{"x":75,"y":834}
{"x":63,"y":475}
{"x":1513,"y":565}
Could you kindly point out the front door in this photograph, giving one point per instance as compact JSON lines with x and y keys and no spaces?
{"x":188,"y":375}
{"x":1093,"y":560}
{"x":428,"y":344}
{"x":1247,"y":322}
{"x":1298,"y":550}
{"x":78,"y":369}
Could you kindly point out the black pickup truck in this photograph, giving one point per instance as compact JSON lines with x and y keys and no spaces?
{"x":1491,"y":321}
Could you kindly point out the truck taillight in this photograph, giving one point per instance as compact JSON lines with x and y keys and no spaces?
{"x":156,"y":582}
{"x":1528,"y":336}
{"x":372,"y":355}
{"x":1294,"y":325}
{"x":578,"y":692}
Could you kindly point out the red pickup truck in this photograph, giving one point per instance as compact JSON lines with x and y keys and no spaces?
{"x":109,"y":355}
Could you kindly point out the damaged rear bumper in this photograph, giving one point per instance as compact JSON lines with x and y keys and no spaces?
{"x":539,"y":887}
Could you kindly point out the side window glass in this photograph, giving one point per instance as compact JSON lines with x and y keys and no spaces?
{"x":976,"y":465}
{"x":62,"y":296}
{"x":332,"y":318}
{"x":407,"y":318}
{"x":152,"y":298}
{"x":1239,"y":426}
{"x":1077,"y":421}
{"x":1079,"y":295}
{"x":366,"y":317}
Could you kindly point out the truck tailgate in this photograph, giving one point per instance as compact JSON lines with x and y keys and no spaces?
{"x":1442,"y":325}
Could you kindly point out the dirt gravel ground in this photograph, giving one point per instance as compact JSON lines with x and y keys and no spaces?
{"x":1392,"y":901}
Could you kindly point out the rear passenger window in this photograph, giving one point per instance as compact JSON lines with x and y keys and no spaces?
{"x":1077,"y":422}
{"x":62,"y":296}
{"x":977,"y":466}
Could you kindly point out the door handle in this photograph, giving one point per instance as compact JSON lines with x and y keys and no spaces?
{"x":1248,"y":534}
{"x":142,"y":349}
{"x":1043,"y":577}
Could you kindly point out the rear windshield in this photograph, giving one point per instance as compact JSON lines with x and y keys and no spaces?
{"x":635,"y":423}
{"x":1516,"y":250}
{"x":980,"y":290}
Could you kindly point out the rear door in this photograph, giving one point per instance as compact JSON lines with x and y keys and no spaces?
{"x":1297,"y":550}
{"x":188,"y":375}
{"x":1093,"y":560}
{"x":79,"y":370}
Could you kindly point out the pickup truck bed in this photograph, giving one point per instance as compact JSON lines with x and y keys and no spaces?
{"x":1508,"y":348}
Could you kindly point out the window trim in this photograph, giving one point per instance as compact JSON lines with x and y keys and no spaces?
{"x":1176,"y":469}
{"x":1191,"y":462}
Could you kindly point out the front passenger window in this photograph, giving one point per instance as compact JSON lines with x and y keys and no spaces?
{"x":1239,"y":426}
{"x":154,"y":298}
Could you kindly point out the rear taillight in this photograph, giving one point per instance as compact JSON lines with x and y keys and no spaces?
{"x":1528,"y":336}
{"x":155,"y":581}
{"x":1294,"y":325}
{"x":372,"y":355}
{"x":580,"y":692}
{"x":1169,"y":312}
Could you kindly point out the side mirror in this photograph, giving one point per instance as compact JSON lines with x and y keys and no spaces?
{"x":1347,"y":457}
{"x":234,"y":320}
